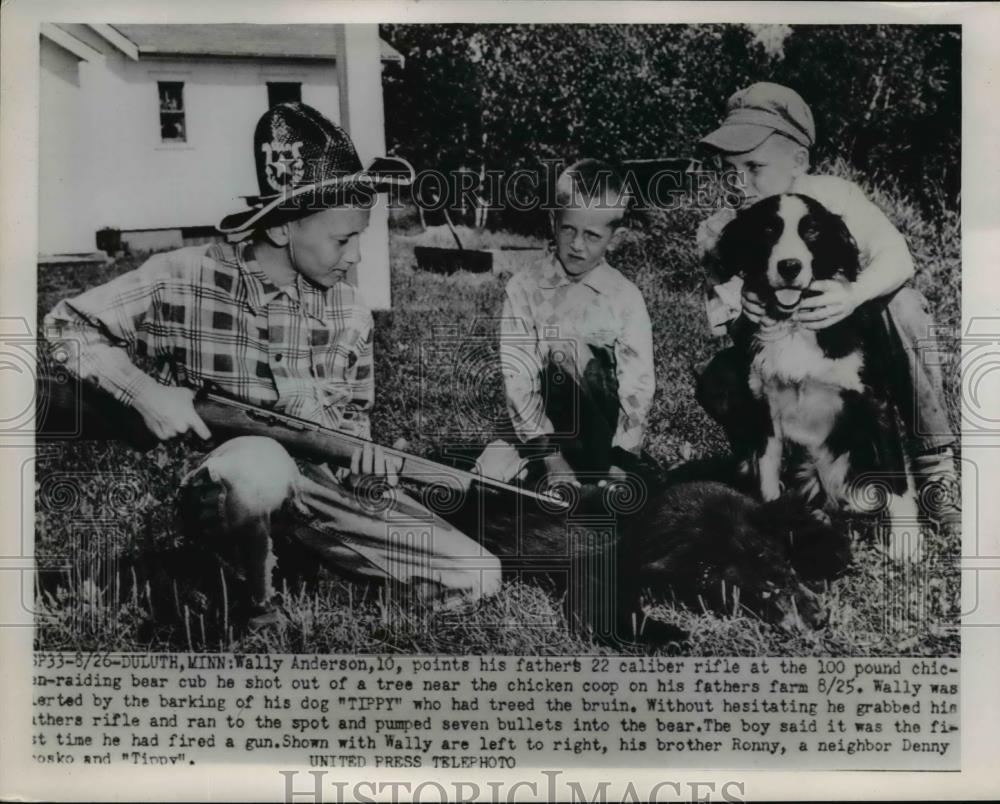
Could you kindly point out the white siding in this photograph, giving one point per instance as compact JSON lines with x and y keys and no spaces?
{"x":64,"y":188}
{"x":102,"y":159}
{"x":197,"y":182}
{"x":362,"y":107}
{"x":103,"y":162}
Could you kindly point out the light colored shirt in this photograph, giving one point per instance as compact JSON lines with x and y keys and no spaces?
{"x":210,"y":314}
{"x":879,"y":242}
{"x":544,"y":311}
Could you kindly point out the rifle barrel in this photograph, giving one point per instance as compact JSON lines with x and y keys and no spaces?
{"x":414,"y":467}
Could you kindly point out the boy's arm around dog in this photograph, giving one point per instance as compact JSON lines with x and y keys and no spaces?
{"x":886,"y":263}
{"x":723,"y":304}
{"x":885,"y":257}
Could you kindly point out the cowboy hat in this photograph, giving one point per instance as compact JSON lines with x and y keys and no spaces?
{"x":305,"y":163}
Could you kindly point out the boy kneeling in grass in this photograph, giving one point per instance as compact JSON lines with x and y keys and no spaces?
{"x":272,"y":318}
{"x":767,"y":136}
{"x":576,"y":343}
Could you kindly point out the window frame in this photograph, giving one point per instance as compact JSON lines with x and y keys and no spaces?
{"x":270,"y":84}
{"x":180,"y":113}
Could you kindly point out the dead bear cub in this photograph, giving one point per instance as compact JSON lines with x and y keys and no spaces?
{"x":694,"y":540}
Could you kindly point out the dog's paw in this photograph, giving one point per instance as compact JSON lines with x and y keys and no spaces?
{"x":769,"y":492}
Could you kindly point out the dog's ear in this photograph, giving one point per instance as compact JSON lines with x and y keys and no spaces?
{"x":729,"y":256}
{"x":836,"y":252}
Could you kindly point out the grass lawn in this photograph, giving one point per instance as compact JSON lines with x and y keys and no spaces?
{"x":438,"y":382}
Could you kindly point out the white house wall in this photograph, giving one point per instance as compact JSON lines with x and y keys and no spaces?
{"x":103,"y":163}
{"x":197,"y":182}
{"x":101,"y":141}
{"x":66,"y":192}
{"x":362,"y":112}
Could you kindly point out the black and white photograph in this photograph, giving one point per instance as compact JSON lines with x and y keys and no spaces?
{"x":655,"y":385}
{"x":593,"y":385}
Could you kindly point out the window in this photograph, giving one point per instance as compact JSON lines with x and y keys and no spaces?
{"x":172,"y":123}
{"x":283,"y":92}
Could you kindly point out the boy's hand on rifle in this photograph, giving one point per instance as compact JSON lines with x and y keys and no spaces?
{"x":169,"y":412}
{"x":615,"y":474}
{"x":372,"y":460}
{"x":558,"y":470}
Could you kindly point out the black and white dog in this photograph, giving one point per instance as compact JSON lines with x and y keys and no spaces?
{"x":821,"y":420}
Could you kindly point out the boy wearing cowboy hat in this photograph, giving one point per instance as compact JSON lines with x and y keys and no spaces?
{"x":270,"y":318}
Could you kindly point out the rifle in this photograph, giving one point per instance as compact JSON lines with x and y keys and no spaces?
{"x":307,"y":439}
{"x":66,"y":408}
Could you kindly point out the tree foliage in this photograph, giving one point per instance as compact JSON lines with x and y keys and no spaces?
{"x":508,"y":97}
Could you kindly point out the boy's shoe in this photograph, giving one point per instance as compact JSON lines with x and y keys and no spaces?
{"x":938,"y":490}
{"x":436,"y":597}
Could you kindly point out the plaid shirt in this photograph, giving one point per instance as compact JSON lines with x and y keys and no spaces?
{"x":210,"y":314}
{"x":544,"y":309}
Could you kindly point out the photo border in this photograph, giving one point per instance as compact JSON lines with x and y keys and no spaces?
{"x":980,"y":287}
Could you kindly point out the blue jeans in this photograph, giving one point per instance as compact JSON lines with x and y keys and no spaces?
{"x":917,"y":382}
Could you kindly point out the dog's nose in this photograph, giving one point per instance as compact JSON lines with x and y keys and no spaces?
{"x":789,"y":269}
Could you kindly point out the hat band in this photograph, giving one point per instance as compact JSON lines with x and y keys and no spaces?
{"x":258,"y":201}
{"x":773,"y":120}
{"x":363,"y":177}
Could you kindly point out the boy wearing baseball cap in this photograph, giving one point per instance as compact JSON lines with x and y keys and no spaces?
{"x":766,"y":137}
{"x":271,"y":318}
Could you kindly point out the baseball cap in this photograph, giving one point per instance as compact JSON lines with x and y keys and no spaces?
{"x":756,"y":112}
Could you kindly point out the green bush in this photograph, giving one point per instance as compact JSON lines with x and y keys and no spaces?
{"x":510,"y":97}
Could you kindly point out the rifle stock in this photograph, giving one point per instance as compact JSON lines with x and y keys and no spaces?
{"x":66,"y":408}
